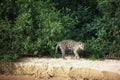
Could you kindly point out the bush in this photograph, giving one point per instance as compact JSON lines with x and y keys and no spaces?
{"x":34,"y":27}
{"x":105,"y":37}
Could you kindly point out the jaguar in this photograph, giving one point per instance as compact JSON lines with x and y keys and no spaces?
{"x":70,"y":45}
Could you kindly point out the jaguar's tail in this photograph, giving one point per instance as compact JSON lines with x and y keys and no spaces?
{"x":57,"y":47}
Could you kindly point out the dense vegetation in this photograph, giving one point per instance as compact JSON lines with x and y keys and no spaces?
{"x":35,"y":26}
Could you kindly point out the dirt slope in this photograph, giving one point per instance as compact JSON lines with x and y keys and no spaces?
{"x":59,"y":69}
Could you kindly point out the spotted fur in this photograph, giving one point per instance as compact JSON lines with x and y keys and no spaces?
{"x":70,"y":45}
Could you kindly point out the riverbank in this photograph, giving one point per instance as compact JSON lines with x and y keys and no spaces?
{"x":70,"y":69}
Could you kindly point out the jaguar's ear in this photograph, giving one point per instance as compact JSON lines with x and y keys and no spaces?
{"x":81,"y":43}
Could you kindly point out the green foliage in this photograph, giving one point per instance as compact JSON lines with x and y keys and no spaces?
{"x":49,"y":23}
{"x":35,"y":27}
{"x":108,"y":7}
{"x":56,"y":55}
{"x":8,"y":57}
{"x":103,"y":37}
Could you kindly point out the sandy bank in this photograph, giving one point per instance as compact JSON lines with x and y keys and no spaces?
{"x":70,"y":69}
